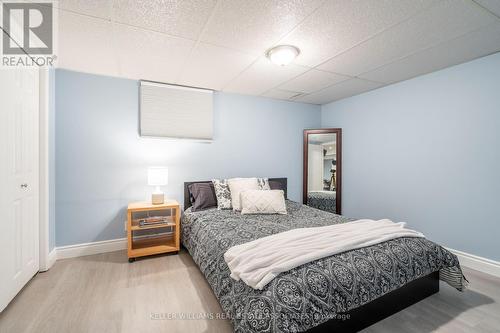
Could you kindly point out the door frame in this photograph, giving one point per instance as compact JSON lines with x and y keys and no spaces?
{"x":47,"y":258}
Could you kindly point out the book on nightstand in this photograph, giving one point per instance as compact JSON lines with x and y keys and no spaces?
{"x":148,"y":221}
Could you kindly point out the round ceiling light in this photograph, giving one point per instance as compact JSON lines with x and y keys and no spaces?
{"x":282,"y":55}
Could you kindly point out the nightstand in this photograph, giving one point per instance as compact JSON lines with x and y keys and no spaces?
{"x":152,"y":229}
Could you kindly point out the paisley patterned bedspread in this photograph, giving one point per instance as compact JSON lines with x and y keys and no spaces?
{"x":324,"y":200}
{"x":313,"y":293}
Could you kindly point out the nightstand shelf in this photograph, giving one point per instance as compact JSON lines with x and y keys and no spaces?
{"x":137,"y":226}
{"x":154,"y":245}
{"x":142,"y":240}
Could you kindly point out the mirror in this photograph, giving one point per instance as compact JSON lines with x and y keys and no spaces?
{"x":322,"y":182}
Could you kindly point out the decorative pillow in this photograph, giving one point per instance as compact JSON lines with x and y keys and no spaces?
{"x":263,"y":184}
{"x":236,"y":185}
{"x":222,"y":193}
{"x":263,"y":202}
{"x":202,"y":196}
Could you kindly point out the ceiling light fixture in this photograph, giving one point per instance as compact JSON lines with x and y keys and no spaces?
{"x":282,"y":55}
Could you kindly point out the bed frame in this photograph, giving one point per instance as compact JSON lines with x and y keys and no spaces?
{"x":382,"y":307}
{"x":374,"y":311}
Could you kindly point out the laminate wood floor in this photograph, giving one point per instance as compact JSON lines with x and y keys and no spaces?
{"x":104,"y":293}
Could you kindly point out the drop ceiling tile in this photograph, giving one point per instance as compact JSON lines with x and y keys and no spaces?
{"x":96,"y":8}
{"x":281,"y":94}
{"x":183,"y":18}
{"x":149,"y":55}
{"x":442,"y":22}
{"x":491,"y":5}
{"x":85,"y":44}
{"x":313,"y":80}
{"x":340,"y":90}
{"x":340,"y":25}
{"x":256,"y":25}
{"x":263,"y":76}
{"x":465,"y":48}
{"x":213,"y":67}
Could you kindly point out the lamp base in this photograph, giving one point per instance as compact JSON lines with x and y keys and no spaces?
{"x":157,"y":198}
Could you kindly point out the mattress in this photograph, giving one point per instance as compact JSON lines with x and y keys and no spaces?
{"x":313,"y":293}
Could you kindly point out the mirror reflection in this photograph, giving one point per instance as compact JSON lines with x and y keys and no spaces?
{"x":322,"y":176}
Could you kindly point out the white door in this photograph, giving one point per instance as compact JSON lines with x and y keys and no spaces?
{"x":19,"y":176}
{"x":315,"y":167}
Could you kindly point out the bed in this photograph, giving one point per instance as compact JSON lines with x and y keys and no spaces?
{"x":324,"y":200}
{"x":344,"y":292}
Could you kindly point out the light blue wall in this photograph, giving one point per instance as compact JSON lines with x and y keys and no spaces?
{"x":427,"y":151}
{"x":101,"y":162}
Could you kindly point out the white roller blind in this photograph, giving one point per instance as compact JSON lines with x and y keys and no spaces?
{"x":175,"y":111}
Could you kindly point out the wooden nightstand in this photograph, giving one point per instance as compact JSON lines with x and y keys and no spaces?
{"x":146,"y":239}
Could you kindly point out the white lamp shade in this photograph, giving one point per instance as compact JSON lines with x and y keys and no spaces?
{"x":158,"y":176}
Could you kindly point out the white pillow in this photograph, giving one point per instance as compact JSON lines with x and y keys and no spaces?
{"x":236,"y":185}
{"x":263,"y":202}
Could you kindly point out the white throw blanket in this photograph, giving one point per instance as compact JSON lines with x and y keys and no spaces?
{"x":258,"y":262}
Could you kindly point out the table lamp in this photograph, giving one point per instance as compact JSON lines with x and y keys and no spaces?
{"x":157,"y":176}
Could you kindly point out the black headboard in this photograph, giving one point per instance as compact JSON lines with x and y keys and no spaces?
{"x":187,"y":201}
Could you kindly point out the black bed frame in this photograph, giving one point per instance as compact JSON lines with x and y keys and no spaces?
{"x":374,"y":311}
{"x":382,"y":307}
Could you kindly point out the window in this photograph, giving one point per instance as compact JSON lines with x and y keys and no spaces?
{"x":175,"y":111}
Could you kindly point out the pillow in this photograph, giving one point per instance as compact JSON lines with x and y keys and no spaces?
{"x":202,"y":196}
{"x":222,"y":193}
{"x":263,"y":184}
{"x":263,"y":202}
{"x":236,"y":185}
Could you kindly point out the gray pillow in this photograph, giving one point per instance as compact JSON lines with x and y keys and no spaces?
{"x":202,"y":196}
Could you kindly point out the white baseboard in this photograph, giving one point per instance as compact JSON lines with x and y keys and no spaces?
{"x":478,"y":263}
{"x":86,"y":249}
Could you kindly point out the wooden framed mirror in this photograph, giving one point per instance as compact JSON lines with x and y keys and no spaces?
{"x":322,"y":175}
